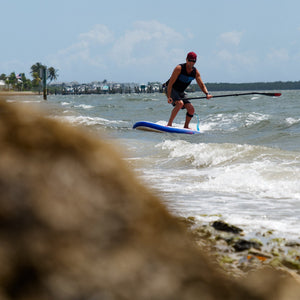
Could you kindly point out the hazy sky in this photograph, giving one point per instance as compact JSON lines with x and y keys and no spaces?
{"x":141,"y":41}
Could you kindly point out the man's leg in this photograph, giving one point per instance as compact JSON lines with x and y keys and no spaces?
{"x":190,"y":113}
{"x":176,"y":109}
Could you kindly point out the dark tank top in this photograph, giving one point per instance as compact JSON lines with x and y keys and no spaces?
{"x":184,"y":79}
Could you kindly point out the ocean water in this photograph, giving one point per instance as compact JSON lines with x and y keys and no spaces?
{"x":244,"y":167}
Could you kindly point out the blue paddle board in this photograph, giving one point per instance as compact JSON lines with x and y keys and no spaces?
{"x":149,"y":126}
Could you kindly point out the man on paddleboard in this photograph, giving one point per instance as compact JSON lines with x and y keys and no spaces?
{"x":180,"y":79}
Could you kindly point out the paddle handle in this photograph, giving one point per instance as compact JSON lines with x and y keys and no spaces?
{"x":239,"y":94}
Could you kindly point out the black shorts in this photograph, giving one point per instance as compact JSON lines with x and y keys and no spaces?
{"x":175,"y":95}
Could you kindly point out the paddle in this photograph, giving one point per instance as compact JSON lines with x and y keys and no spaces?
{"x":239,"y":94}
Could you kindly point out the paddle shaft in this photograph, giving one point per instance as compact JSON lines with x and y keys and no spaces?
{"x":239,"y":94}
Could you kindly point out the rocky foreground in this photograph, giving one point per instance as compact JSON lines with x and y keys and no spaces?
{"x":238,"y":255}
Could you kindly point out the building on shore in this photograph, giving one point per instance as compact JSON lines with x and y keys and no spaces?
{"x":104,"y":87}
{"x":2,"y":85}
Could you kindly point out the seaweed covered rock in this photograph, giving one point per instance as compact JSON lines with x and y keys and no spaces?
{"x":242,"y":245}
{"x":223,"y":226}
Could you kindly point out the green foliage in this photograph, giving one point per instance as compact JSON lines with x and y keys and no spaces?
{"x":52,"y":74}
{"x":25,"y":84}
{"x":254,"y":86}
{"x":12,"y":79}
{"x":36,"y":79}
{"x":3,"y":77}
{"x":36,"y":72}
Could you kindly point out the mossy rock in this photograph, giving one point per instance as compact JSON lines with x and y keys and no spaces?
{"x":227,"y":260}
{"x":291,"y":263}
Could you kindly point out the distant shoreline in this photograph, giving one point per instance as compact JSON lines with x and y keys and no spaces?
{"x":125,"y":88}
{"x":15,"y":93}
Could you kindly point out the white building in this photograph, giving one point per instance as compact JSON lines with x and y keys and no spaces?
{"x":2,"y":84}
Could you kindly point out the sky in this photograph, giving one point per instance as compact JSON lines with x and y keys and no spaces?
{"x":142,"y":41}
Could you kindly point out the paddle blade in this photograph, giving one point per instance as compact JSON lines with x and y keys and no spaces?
{"x":271,"y":94}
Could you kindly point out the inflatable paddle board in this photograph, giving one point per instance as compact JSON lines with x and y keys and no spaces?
{"x":149,"y":126}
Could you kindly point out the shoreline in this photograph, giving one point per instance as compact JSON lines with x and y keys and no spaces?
{"x":238,"y":255}
{"x":15,"y":93}
{"x":20,"y":97}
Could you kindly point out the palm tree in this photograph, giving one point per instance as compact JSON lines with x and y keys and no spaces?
{"x":36,"y":79}
{"x":36,"y":70}
{"x":52,"y":74}
{"x":39,"y":74}
{"x":12,"y":79}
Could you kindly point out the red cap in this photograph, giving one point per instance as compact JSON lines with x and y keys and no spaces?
{"x":192,"y":55}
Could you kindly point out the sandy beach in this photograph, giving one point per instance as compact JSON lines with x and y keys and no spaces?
{"x":14,"y":93}
{"x":21,"y":97}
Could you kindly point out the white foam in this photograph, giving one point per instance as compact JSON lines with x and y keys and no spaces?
{"x":193,"y":126}
{"x":255,"y":118}
{"x":292,"y":121}
{"x":204,"y":155}
{"x":231,"y":122}
{"x":84,"y":106}
{"x":238,"y":181}
{"x":85,"y":120}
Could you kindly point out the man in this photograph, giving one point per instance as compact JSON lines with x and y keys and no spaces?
{"x":180,"y":79}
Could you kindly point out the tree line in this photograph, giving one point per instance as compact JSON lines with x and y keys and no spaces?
{"x":258,"y":86}
{"x":20,"y":82}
